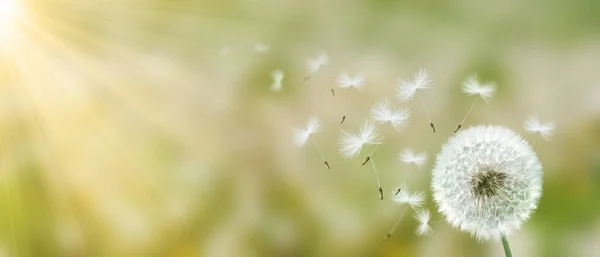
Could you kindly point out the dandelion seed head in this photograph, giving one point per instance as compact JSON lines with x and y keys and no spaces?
{"x":344,"y":80}
{"x":312,"y":126}
{"x":472,"y":86}
{"x":277,"y":77}
{"x":533,"y":125}
{"x":407,"y":89}
{"x":408,"y":156}
{"x":383,"y":112}
{"x":423,"y":216}
{"x":314,"y":64}
{"x":487,"y":181}
{"x":351,"y":142}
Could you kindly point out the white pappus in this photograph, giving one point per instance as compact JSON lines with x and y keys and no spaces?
{"x":314,"y":64}
{"x":408,"y":156}
{"x":423,"y":216}
{"x":351,"y":142}
{"x":533,"y":125}
{"x":346,"y":81}
{"x":384,"y":112}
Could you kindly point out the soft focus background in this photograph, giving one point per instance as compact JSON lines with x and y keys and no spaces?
{"x":147,"y":127}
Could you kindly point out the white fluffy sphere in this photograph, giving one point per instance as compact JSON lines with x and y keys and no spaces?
{"x":487,"y":181}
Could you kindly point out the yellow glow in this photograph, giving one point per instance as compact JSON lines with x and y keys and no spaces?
{"x":10,"y":12}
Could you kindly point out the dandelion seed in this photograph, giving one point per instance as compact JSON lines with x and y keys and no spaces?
{"x":351,"y":143}
{"x":409,"y":157}
{"x":414,"y":199}
{"x":345,"y":81}
{"x":277,"y":77}
{"x":404,"y":196}
{"x":487,"y":180}
{"x":314,"y":64}
{"x":261,"y":47}
{"x":407,"y":89}
{"x":390,"y":233}
{"x":472,"y":86}
{"x":423,"y":216}
{"x":398,"y":189}
{"x":301,"y":136}
{"x":384,"y":112}
{"x":533,"y":125}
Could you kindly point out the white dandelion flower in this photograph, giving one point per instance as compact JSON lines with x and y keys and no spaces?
{"x":409,"y":157}
{"x":312,"y":126}
{"x":533,"y":125}
{"x":423,"y":216}
{"x":261,"y":47}
{"x":344,"y":80}
{"x":302,"y":135}
{"x":407,"y":89}
{"x":472,"y":86}
{"x":277,"y":77}
{"x":351,"y":143}
{"x":487,"y":181}
{"x":383,"y":112}
{"x":405,"y":196}
{"x":314,"y":64}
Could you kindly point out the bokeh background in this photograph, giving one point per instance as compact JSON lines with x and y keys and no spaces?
{"x":147,"y":127}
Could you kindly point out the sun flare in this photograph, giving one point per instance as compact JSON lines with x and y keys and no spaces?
{"x":10,"y":12}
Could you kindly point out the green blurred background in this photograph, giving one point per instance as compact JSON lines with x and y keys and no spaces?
{"x":147,"y":127}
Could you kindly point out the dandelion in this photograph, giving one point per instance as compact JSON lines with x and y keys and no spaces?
{"x":383,"y":112}
{"x":404,"y":196}
{"x":471,"y":86}
{"x":423,"y":216}
{"x":345,"y":81}
{"x":407,"y":89}
{"x":277,"y":77}
{"x":302,"y":135}
{"x":487,"y":180}
{"x":533,"y":125}
{"x":351,"y":143}
{"x":261,"y":47}
{"x":314,"y":64}
{"x":409,"y":157}
{"x":390,"y":233}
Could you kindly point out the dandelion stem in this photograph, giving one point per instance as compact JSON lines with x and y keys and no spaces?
{"x":347,"y":106}
{"x":506,"y":246}
{"x":393,"y":229}
{"x":377,"y":177}
{"x":321,"y":154}
{"x":465,"y":118}
{"x":370,"y":155}
{"x":427,"y":113}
